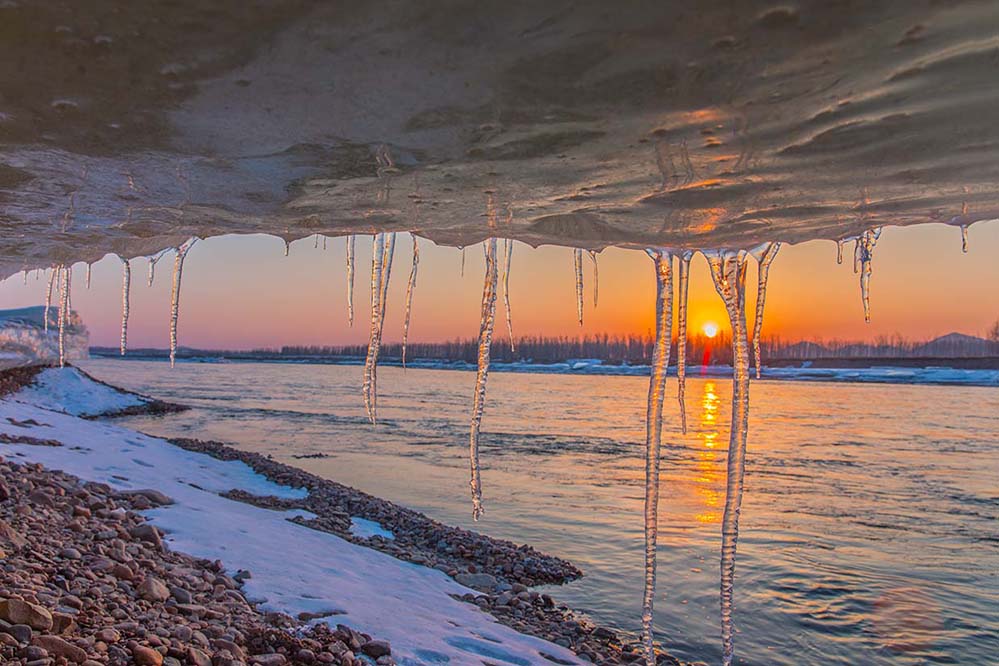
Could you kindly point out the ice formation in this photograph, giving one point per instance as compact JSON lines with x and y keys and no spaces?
{"x":383,"y":249}
{"x":152,"y":266}
{"x":462,"y":270}
{"x":64,"y":287}
{"x":89,"y":266}
{"x":410,"y":288}
{"x":728,"y":272}
{"x":126,"y":285}
{"x":178,"y":271}
{"x":681,"y":337}
{"x":764,"y":255}
{"x":964,"y":238}
{"x":577,"y":265}
{"x":863,"y":255}
{"x":48,"y":297}
{"x":486,"y":322}
{"x":351,"y":243}
{"x":839,"y":251}
{"x":653,"y":436}
{"x":507,"y":258}
{"x":596,"y":277}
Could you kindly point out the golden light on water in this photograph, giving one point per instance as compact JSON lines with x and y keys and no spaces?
{"x":708,"y":475}
{"x":710,"y":329}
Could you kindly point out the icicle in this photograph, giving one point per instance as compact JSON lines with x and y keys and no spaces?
{"x":381,"y":271}
{"x":486,"y":322}
{"x":48,"y":297}
{"x":577,"y":266}
{"x":864,"y":253}
{"x":596,"y":277}
{"x":462,"y":273}
{"x":287,"y":247}
{"x":25,"y":271}
{"x":764,"y":255}
{"x":653,"y":435}
{"x":507,"y":257}
{"x":315,"y":246}
{"x":728,"y":272}
{"x":152,"y":267}
{"x":856,"y":255}
{"x":126,"y":285}
{"x":324,"y":242}
{"x":350,"y":279}
{"x":409,"y":297}
{"x":681,"y":337}
{"x":964,"y":238}
{"x":89,"y":265}
{"x":178,"y":271}
{"x":839,"y":251}
{"x":63,"y":312}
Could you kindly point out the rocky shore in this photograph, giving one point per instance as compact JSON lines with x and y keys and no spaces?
{"x":84,"y":579}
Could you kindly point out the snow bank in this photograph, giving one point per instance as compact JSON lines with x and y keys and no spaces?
{"x":69,"y":390}
{"x":295,"y":569}
{"x":365,"y":529}
{"x":24,"y":340}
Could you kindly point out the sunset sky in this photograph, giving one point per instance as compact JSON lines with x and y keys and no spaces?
{"x":242,"y":292}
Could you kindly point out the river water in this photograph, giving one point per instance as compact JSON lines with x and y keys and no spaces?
{"x":870,"y":524}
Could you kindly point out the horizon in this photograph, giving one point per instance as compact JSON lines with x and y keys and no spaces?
{"x":923,"y":287}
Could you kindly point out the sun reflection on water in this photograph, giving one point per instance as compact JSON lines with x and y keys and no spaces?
{"x":708,"y":475}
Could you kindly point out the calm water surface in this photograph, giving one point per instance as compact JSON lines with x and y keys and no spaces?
{"x":870,"y":525}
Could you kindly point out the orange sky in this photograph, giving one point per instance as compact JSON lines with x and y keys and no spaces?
{"x":241,"y":292}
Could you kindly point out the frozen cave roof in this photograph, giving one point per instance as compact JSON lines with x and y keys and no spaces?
{"x":128,"y":127}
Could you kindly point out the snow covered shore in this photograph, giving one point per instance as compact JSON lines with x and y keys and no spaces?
{"x":295,"y":570}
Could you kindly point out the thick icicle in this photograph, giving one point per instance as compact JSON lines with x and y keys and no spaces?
{"x":681,"y":337}
{"x":653,"y":435}
{"x":596,"y":277}
{"x":48,"y":297}
{"x":486,"y":322}
{"x":728,"y":272}
{"x":351,"y":241}
{"x":126,"y":286}
{"x":864,"y":254}
{"x":88,"y":275}
{"x":964,"y":238}
{"x":507,"y":257}
{"x":764,"y":255}
{"x":178,"y":272}
{"x":577,"y":265}
{"x":409,"y":297}
{"x":64,"y":287}
{"x":367,"y":386}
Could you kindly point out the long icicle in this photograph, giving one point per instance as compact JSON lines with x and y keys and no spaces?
{"x":764,"y":255}
{"x":382,"y":301}
{"x":48,"y":298}
{"x":596,"y":277}
{"x":89,"y":265}
{"x":178,"y":272}
{"x":653,"y":436}
{"x":126,"y":286}
{"x":486,"y":321}
{"x":728,"y":272}
{"x":367,"y":386}
{"x":351,"y":242}
{"x":577,"y":266}
{"x":507,"y":257}
{"x":63,"y":312}
{"x":681,"y":337}
{"x":410,"y":288}
{"x":462,"y":272}
{"x":865,"y":253}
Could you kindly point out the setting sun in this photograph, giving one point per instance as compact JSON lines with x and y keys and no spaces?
{"x":710,"y":329}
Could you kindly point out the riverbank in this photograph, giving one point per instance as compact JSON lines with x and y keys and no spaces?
{"x":484,"y":573}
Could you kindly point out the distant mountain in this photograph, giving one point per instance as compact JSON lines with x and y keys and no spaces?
{"x":956,"y":344}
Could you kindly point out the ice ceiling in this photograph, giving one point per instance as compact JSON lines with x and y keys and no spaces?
{"x":129,"y":127}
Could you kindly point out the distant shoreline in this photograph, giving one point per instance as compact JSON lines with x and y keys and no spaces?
{"x":959,"y":371}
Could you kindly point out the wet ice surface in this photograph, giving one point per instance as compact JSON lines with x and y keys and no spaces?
{"x":673,"y":123}
{"x":868,"y":530}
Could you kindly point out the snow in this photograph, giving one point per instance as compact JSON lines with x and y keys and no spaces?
{"x":295,"y":569}
{"x":365,"y":529}
{"x":69,"y":390}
